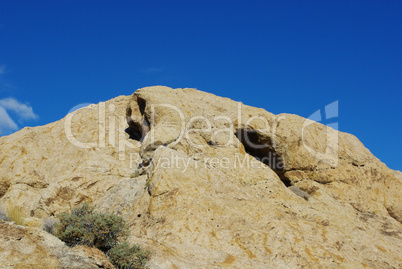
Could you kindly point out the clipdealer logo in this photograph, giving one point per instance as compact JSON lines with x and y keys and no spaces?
{"x":112,"y":129}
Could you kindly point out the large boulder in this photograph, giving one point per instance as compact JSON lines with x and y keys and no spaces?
{"x":207,"y":182}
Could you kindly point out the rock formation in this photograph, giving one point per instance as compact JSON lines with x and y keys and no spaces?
{"x":22,"y":247}
{"x":204,"y":183}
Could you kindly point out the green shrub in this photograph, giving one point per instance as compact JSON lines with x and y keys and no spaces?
{"x":83,"y":226}
{"x":124,"y":256}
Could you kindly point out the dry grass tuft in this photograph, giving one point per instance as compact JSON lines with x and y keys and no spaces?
{"x":15,"y":214}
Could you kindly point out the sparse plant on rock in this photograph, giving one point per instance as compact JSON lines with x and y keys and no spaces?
{"x":49,"y":225}
{"x":124,"y":256}
{"x":83,"y":226}
{"x":15,"y":214}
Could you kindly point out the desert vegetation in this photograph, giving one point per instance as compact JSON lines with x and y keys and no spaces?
{"x":124,"y":255}
{"x":13,"y":213}
{"x":107,"y":232}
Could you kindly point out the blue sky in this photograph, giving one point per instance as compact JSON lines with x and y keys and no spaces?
{"x":285,"y":56}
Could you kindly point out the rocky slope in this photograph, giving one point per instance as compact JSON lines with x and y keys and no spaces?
{"x":22,"y":247}
{"x":207,"y":182}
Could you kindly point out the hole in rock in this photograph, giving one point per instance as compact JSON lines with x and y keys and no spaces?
{"x":141,"y":104}
{"x":284,"y":179}
{"x":261,"y":148}
{"x":138,"y":129}
{"x":134,"y":133}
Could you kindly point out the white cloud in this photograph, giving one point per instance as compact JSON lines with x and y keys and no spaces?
{"x":7,"y":125}
{"x":22,"y":111}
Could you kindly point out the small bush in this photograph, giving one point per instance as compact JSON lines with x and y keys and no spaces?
{"x":3,"y":215}
{"x":49,"y":225}
{"x":124,"y":256}
{"x":15,"y":214}
{"x":83,"y":226}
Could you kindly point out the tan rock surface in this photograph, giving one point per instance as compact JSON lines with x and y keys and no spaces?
{"x":47,"y":173}
{"x":187,"y":176}
{"x":22,"y":247}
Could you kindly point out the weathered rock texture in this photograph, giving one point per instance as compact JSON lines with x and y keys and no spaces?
{"x":22,"y":247}
{"x":203,"y":182}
